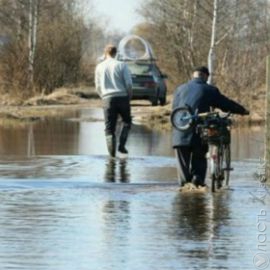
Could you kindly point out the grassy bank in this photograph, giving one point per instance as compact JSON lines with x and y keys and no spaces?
{"x":64,"y":100}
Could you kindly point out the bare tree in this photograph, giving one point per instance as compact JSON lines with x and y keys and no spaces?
{"x":211,"y":55}
{"x":32,"y":38}
{"x":47,"y":45}
{"x":231,"y":36}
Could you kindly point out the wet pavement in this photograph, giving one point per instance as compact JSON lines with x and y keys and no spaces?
{"x":66,"y":205}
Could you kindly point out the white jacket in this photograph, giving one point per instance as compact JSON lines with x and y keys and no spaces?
{"x":113,"y":78}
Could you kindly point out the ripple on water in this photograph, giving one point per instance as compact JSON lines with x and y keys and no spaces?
{"x":82,"y":212}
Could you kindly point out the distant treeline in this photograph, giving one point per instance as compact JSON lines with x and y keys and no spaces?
{"x":46,"y":44}
{"x":237,"y":31}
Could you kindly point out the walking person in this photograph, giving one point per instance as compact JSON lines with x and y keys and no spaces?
{"x":189,"y":147}
{"x":114,"y":85}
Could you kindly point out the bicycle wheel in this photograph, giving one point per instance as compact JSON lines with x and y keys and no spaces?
{"x":227,"y":163}
{"x":213,"y":182}
{"x":181,"y":119}
{"x":214,"y":166}
{"x":220,"y":166}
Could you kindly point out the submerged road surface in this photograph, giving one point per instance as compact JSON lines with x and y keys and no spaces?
{"x":65,"y":205}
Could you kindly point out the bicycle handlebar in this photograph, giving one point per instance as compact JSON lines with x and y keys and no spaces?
{"x":183,"y":119}
{"x":205,"y":115}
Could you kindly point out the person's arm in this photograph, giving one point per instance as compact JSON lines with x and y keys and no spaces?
{"x":227,"y":105}
{"x":97,"y":82}
{"x":128,"y":80}
{"x":175,"y":99}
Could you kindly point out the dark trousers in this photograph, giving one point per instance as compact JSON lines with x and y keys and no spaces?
{"x":113,"y":107}
{"x":192,"y":163}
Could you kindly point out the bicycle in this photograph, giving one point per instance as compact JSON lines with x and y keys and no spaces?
{"x":214,"y":130}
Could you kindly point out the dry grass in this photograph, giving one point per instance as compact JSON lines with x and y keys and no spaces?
{"x":63,"y":96}
{"x":64,"y":100}
{"x":61,"y":102}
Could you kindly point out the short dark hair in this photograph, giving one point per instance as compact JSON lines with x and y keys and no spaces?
{"x":111,"y":50}
{"x":202,"y":69}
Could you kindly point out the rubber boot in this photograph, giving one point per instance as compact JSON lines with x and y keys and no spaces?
{"x":111,"y":144}
{"x":110,"y":175}
{"x":197,"y":181}
{"x":123,"y":139}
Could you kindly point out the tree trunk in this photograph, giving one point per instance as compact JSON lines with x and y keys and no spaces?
{"x":17,"y":7}
{"x":32,"y":39}
{"x":211,"y":55}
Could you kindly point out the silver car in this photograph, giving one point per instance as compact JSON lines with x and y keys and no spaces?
{"x":149,"y":82}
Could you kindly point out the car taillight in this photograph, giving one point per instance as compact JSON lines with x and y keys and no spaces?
{"x":150,"y":84}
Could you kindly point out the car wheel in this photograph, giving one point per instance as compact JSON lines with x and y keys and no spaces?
{"x":162,"y":101}
{"x":154,"y":102}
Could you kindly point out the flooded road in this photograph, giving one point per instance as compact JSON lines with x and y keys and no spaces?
{"x":65,"y":205}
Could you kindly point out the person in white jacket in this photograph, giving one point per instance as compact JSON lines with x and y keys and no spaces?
{"x":114,"y":85}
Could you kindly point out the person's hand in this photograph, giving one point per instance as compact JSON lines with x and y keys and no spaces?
{"x":246,"y":112}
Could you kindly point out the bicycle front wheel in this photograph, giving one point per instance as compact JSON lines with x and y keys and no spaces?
{"x":181,"y":119}
{"x":215,"y":168}
{"x":227,"y":163}
{"x":220,"y":165}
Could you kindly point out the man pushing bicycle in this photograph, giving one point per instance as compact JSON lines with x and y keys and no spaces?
{"x":189,"y":147}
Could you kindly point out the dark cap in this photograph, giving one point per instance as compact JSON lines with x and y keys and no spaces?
{"x":202,"y":69}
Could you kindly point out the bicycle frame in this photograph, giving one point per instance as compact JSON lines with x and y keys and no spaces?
{"x":219,"y":164}
{"x":214,"y":131}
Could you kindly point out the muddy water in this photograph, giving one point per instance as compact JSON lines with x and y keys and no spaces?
{"x":65,"y":205}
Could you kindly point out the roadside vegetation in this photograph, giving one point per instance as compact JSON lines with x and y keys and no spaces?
{"x":46,"y":45}
{"x":50,"y":45}
{"x":232,"y":37}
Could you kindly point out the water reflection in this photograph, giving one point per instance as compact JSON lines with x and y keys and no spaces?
{"x":192,"y":214}
{"x":48,"y":137}
{"x":115,"y":233}
{"x":116,"y":171}
{"x":221,"y":237}
{"x":31,"y":142}
{"x":29,"y":224}
{"x":247,"y":142}
{"x":54,"y":224}
{"x":116,"y":224}
{"x":200,"y":218}
{"x":64,"y":136}
{"x":57,"y":213}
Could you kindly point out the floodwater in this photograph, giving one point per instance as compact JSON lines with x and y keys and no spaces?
{"x":66,"y":205}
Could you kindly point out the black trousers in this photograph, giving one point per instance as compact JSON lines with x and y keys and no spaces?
{"x":113,"y":107}
{"x":192,"y":163}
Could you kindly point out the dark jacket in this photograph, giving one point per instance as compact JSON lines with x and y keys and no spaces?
{"x":199,"y":95}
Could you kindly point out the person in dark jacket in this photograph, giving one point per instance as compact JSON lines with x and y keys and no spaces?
{"x":189,"y":148}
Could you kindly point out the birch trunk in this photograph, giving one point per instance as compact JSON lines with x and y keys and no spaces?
{"x":32,"y":38}
{"x":17,"y":18}
{"x":211,"y":55}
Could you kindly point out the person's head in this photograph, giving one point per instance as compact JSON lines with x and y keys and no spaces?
{"x":110,"y":51}
{"x":201,"y":72}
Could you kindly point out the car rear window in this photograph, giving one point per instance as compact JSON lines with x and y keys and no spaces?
{"x":140,"y":69}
